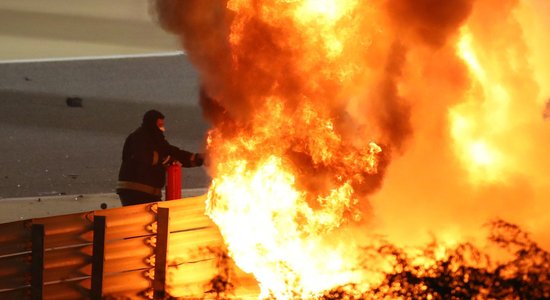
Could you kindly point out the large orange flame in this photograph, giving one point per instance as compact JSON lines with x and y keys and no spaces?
{"x":310,"y":100}
{"x":288,"y":176}
{"x":274,"y":227}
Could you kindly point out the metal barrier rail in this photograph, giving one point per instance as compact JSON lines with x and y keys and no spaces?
{"x":147,"y":251}
{"x":143,"y":251}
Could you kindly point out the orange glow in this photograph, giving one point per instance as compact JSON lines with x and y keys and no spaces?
{"x":480,"y":121}
{"x":337,"y":121}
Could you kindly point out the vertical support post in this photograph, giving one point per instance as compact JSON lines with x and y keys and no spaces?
{"x":98,"y":257}
{"x":161,"y":252}
{"x":37,"y":267}
{"x":173,"y":182}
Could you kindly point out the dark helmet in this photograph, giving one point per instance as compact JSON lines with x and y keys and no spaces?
{"x":150,"y":118}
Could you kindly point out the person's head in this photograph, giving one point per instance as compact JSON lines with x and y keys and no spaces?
{"x":153,"y":119}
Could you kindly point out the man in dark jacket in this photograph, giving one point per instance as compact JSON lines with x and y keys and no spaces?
{"x":145,"y":155}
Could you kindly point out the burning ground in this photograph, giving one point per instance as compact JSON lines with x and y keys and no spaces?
{"x":340,"y":124}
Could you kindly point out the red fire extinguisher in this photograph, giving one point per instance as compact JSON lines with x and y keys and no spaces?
{"x":173,"y":182}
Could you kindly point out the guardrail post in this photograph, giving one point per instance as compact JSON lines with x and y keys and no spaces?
{"x":98,"y":257}
{"x":37,"y":266}
{"x":161,"y":252}
{"x":173,"y":182}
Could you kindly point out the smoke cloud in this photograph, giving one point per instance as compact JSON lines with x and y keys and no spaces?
{"x":271,"y":60}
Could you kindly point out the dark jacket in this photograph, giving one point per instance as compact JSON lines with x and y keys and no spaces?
{"x":145,"y":155}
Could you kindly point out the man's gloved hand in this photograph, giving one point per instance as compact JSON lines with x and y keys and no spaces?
{"x":198,"y":159}
{"x":205,"y":159}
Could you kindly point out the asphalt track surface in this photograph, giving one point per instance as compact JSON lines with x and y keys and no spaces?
{"x":50,"y":148}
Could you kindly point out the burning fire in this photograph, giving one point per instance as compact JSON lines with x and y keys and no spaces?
{"x":311,"y":100}
{"x":263,"y":201}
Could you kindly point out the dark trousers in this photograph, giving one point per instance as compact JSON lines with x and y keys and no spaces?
{"x":131,"y":197}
